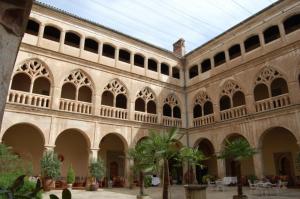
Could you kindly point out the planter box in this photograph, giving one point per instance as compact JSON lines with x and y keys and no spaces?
{"x":142,"y":197}
{"x":195,"y":191}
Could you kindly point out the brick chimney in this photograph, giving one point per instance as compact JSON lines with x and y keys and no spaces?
{"x":179,"y":48}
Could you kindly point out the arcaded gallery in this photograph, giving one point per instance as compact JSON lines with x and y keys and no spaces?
{"x":86,"y":91}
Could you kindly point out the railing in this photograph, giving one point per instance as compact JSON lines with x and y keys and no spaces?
{"x":30,"y":99}
{"x":113,"y":112}
{"x":273,"y":103}
{"x":235,"y":112}
{"x":204,"y":120}
{"x":169,"y":121}
{"x":75,"y":106}
{"x":145,"y":117}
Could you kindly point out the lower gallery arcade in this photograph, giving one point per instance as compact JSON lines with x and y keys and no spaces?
{"x":76,"y":142}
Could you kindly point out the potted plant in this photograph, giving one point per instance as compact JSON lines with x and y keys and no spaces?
{"x":237,"y":150}
{"x":96,"y":171}
{"x":143,"y":163}
{"x":50,"y":169}
{"x":70,"y":176}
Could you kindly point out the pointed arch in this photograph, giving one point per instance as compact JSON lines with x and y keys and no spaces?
{"x":116,"y":87}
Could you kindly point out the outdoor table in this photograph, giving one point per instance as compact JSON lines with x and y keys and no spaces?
{"x":230,"y":180}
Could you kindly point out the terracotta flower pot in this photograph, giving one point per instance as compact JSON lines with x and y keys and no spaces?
{"x":195,"y":191}
{"x":48,"y":184}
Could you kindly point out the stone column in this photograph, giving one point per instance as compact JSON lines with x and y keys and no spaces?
{"x":117,"y":51}
{"x":94,"y":154}
{"x":40,"y":35}
{"x":258,"y":165}
{"x":221,"y":168}
{"x":243,"y":51}
{"x":282,"y":32}
{"x":261,"y":40}
{"x":82,"y":43}
{"x":131,"y":61}
{"x":62,"y":40}
{"x":100,"y":48}
{"x":14,"y":16}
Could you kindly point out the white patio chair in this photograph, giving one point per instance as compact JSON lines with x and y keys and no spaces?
{"x":220,"y":185}
{"x":211,"y":185}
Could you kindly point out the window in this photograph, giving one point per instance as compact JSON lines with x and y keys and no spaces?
{"x":107,"y":98}
{"x":32,"y":27}
{"x":205,"y":65}
{"x":108,"y":51}
{"x":279,"y":87}
{"x":225,"y":103}
{"x":176,"y":112}
{"x":193,"y":72}
{"x":91,"y":45}
{"x":238,"y":99}
{"x":121,"y":101}
{"x":21,"y":82}
{"x":152,"y":65}
{"x":124,"y":56}
{"x":252,"y":43}
{"x":140,"y":105}
{"x":41,"y":86}
{"x":72,"y":39}
{"x":51,"y":33}
{"x":139,"y":60}
{"x":292,"y":24}
{"x":271,"y":34}
{"x":261,"y":92}
{"x":175,"y":73}
{"x":151,"y":107}
{"x":197,"y":112}
{"x":167,"y":111}
{"x":234,"y":51}
{"x":208,"y":108}
{"x":85,"y":94}
{"x":219,"y":58}
{"x":68,"y":91}
{"x":164,"y":68}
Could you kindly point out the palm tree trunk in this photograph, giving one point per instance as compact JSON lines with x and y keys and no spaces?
{"x":239,"y":178}
{"x":166,"y":180}
{"x":142,"y":183}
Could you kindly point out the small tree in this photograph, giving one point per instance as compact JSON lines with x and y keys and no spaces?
{"x":237,"y":150}
{"x":50,"y":165}
{"x":143,"y":162}
{"x":70,"y":175}
{"x":96,"y":169}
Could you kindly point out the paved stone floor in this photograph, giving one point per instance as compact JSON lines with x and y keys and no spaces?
{"x":176,"y":192}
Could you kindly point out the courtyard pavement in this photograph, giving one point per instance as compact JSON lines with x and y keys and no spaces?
{"x":176,"y":192}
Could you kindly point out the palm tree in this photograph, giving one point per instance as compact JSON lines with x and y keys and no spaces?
{"x":162,"y":146}
{"x":143,"y":162}
{"x":237,"y":150}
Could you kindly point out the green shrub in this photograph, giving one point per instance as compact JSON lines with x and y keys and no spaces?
{"x":70,"y":175}
{"x":50,"y":165}
{"x":207,"y":177}
{"x":97,"y":169}
{"x":147,"y":181}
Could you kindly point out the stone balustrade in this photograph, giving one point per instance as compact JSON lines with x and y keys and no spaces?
{"x":113,"y":112}
{"x":75,"y":106}
{"x":204,"y":120}
{"x":145,"y":117}
{"x":272,"y":103}
{"x":170,"y":121}
{"x":29,"y":99}
{"x":234,"y":112}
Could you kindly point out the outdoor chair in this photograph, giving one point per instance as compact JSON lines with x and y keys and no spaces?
{"x":211,"y":185}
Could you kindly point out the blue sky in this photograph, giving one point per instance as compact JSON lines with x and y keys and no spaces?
{"x":162,"y":22}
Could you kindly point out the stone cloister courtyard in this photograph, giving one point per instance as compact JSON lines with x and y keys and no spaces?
{"x":176,"y":192}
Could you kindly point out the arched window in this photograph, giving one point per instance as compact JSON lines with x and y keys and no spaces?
{"x":124,"y":56}
{"x":205,"y":65}
{"x":219,"y":58}
{"x":164,"y":68}
{"x":234,"y":51}
{"x":261,"y":92}
{"x":72,"y":39}
{"x":121,"y":101}
{"x":41,"y":86}
{"x":140,"y":105}
{"x":193,"y":71}
{"x":152,"y":65}
{"x":32,"y":27}
{"x":139,"y":60}
{"x":202,"y":105}
{"x":252,"y":43}
{"x":176,"y":112}
{"x":146,"y":98}
{"x":279,"y":87}
{"x":167,"y":111}
{"x":21,"y":82}
{"x":77,"y":86}
{"x":272,"y":33}
{"x":292,"y":24}
{"x":115,"y":94}
{"x":68,"y":91}
{"x":208,"y":108}
{"x":107,"y":98}
{"x":225,"y":103}
{"x":238,"y":99}
{"x":197,"y":112}
{"x":85,"y":94}
{"x":32,"y":72}
{"x":91,"y":45}
{"x":151,"y":107}
{"x":52,"y":33}
{"x":108,"y":51}
{"x":175,"y":72}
